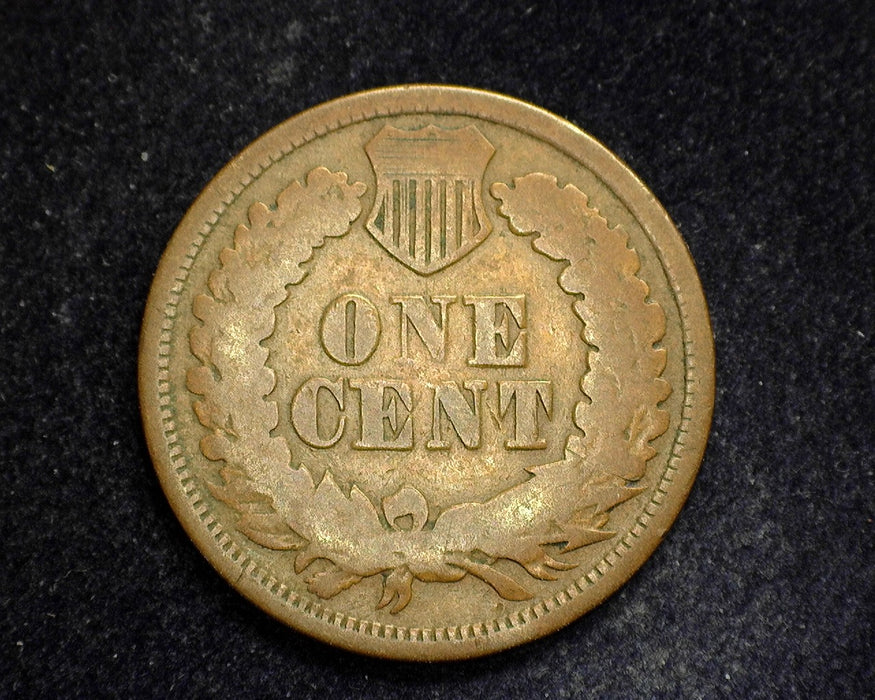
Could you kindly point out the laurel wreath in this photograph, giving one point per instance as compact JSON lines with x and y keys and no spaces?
{"x":561,"y":507}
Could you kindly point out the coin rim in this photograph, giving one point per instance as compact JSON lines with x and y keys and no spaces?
{"x":623,"y":183}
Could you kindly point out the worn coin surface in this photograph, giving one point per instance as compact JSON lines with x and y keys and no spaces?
{"x":426,"y":372}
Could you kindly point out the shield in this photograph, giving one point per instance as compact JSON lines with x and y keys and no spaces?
{"x":428,"y":211}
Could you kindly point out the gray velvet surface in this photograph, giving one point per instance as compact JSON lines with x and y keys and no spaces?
{"x":751,"y":121}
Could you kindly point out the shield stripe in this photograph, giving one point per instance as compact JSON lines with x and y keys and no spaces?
{"x":419,"y":220}
{"x":452,"y":220}
{"x":392,"y":214}
{"x":456,"y":240}
{"x":403,"y":230}
{"x":442,"y":231}
{"x":467,"y":206}
{"x":428,"y":220}
{"x":415,"y":229}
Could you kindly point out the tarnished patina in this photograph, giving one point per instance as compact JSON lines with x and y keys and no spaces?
{"x":426,"y":372}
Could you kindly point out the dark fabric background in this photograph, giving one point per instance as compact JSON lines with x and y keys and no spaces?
{"x":751,"y":121}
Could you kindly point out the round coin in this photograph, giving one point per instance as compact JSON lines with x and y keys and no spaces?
{"x":426,"y":372}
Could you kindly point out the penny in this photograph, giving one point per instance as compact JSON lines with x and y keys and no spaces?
{"x":426,"y":372}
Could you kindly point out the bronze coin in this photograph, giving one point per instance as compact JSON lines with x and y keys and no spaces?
{"x":426,"y":372}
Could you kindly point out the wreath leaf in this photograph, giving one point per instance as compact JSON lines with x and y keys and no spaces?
{"x":505,"y":586}
{"x":236,"y":316}
{"x":623,"y":385}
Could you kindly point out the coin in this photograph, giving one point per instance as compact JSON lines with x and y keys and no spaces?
{"x":426,"y":372}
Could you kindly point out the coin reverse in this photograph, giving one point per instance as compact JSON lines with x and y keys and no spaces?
{"x":426,"y":372}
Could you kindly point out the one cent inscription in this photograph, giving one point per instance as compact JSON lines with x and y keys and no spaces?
{"x":423,"y":382}
{"x":497,"y":337}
